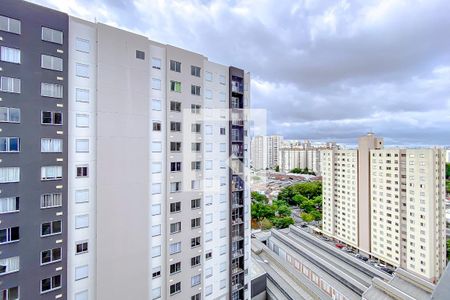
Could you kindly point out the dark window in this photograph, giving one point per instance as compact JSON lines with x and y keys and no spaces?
{"x":222,"y":131}
{"x":195,"y":203}
{"x":196,"y":127}
{"x":82,"y":171}
{"x":51,"y":228}
{"x":175,"y":146}
{"x":51,"y":118}
{"x":81,"y":247}
{"x":51,"y":255}
{"x":51,"y":283}
{"x":195,"y":261}
{"x":9,"y":235}
{"x":195,"y":90}
{"x":175,"y":106}
{"x":196,"y":147}
{"x":195,"y":242}
{"x":175,"y":207}
{"x":195,"y":223}
{"x":175,"y":268}
{"x":196,"y":297}
{"x":140,"y":54}
{"x":208,"y":255}
{"x":156,"y":274}
{"x":175,"y":66}
{"x":175,"y":166}
{"x":195,"y":71}
{"x":196,"y":165}
{"x":175,"y":126}
{"x":156,"y":126}
{"x":175,"y":227}
{"x":175,"y":288}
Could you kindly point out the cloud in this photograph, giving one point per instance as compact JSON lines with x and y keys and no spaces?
{"x":323,"y":69}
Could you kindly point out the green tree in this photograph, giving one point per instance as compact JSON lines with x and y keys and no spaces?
{"x":448,"y":250}
{"x":261,"y":211}
{"x":283,"y":211}
{"x":296,"y":171}
{"x":316,"y":214}
{"x":283,"y":222}
{"x":308,"y":206}
{"x":299,"y":199}
{"x":257,"y":197}
{"x":448,"y":186}
{"x":277,"y":168}
{"x":447,"y":171}
{"x":307,"y":217}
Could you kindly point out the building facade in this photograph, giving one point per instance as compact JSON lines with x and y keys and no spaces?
{"x":388,"y":203}
{"x":266,"y":152}
{"x":137,"y":153}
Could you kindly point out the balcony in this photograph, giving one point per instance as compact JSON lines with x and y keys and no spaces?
{"x":237,"y":253}
{"x":237,"y":238}
{"x":236,"y":270}
{"x":236,"y":286}
{"x":237,"y":86}
{"x":235,"y":205}
{"x":236,"y":221}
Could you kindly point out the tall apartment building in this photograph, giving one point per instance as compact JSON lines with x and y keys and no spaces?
{"x":124,"y":164}
{"x":388,"y":203}
{"x":265,"y":152}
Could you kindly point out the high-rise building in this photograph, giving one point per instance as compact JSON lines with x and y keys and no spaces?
{"x":265,"y":152}
{"x":124,"y":164}
{"x":388,"y":203}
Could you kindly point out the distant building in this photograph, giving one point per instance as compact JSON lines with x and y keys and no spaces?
{"x":265,"y":152}
{"x":389,"y":203}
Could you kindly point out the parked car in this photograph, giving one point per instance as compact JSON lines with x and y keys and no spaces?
{"x":387,"y":270}
{"x":340,"y":246}
{"x":365,"y":258}
{"x":380,"y":266}
{"x":361,"y":257}
{"x":324,"y":238}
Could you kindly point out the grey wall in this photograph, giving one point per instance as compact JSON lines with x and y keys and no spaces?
{"x":30,"y":159}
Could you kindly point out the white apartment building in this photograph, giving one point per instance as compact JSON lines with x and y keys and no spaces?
{"x":388,"y":203}
{"x":266,"y":152}
{"x":302,"y":155}
{"x":154,"y":210}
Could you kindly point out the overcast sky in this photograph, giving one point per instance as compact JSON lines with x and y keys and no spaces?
{"x":324,"y":70}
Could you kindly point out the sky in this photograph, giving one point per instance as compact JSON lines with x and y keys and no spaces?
{"x":324,"y":70}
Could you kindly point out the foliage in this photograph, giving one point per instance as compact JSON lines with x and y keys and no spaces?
{"x":299,"y":199}
{"x":448,"y":250}
{"x":307,"y":217}
{"x":282,"y":222}
{"x":447,"y":171}
{"x":266,"y":224}
{"x":302,"y":171}
{"x":277,"y":168}
{"x":316,"y":214}
{"x":281,"y":208}
{"x":448,"y":186}
{"x":257,"y":197}
{"x":309,"y":190}
{"x":261,"y":211}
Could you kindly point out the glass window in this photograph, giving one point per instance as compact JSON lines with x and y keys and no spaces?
{"x":82,"y":145}
{"x":51,"y":172}
{"x":9,"y":115}
{"x":156,"y":147}
{"x":175,"y":66}
{"x":82,"y":120}
{"x":208,"y":76}
{"x":10,"y":25}
{"x":82,"y":95}
{"x":81,"y":272}
{"x":82,"y":45}
{"x":11,"y":55}
{"x":51,"y":118}
{"x":156,"y":63}
{"x":156,"y":83}
{"x":9,"y":204}
{"x":140,"y":54}
{"x":10,"y":85}
{"x":51,"y":62}
{"x":51,"y":90}
{"x":9,"y":144}
{"x":50,"y":284}
{"x":82,"y":196}
{"x":195,"y":71}
{"x":9,"y":174}
{"x":52,"y":35}
{"x":82,"y":70}
{"x":156,"y":104}
{"x":81,"y":221}
{"x":175,"y":86}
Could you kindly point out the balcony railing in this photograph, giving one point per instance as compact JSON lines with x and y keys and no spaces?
{"x":237,"y":238}
{"x":237,"y":253}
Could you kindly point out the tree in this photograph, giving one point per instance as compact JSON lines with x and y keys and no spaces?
{"x":448,"y":250}
{"x":283,"y":210}
{"x":317,"y":215}
{"x":277,"y":168}
{"x":447,"y":171}
{"x":299,"y":199}
{"x":261,"y":211}
{"x":307,"y":217}
{"x":448,"y":186}
{"x":283,"y":222}
{"x":257,"y":197}
{"x":296,"y":171}
{"x":308,"y":206}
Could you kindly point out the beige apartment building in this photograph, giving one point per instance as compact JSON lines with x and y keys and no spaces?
{"x":265,"y":152}
{"x":388,"y":203}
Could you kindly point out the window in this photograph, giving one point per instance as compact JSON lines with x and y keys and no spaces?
{"x":175,"y":248}
{"x":223,"y":284}
{"x":50,"y":284}
{"x":9,"y":205}
{"x":175,"y":227}
{"x":175,"y":166}
{"x":9,"y":174}
{"x":82,"y":45}
{"x":156,"y":83}
{"x":195,"y":90}
{"x":223,"y":249}
{"x":11,"y":293}
{"x":196,"y":147}
{"x":81,"y":272}
{"x":156,"y":167}
{"x":156,"y":272}
{"x":208,"y":165}
{"x":175,"y":288}
{"x":195,"y":261}
{"x":222,"y":164}
{"x":11,"y":55}
{"x":175,"y":66}
{"x":50,"y":256}
{"x":51,"y":118}
{"x":208,"y":200}
{"x":51,"y":90}
{"x":208,"y":218}
{"x":156,"y":251}
{"x":52,"y":35}
{"x":175,"y":187}
{"x":195,"y":223}
{"x":222,"y":131}
{"x":195,"y":203}
{"x":82,"y":295}
{"x":82,"y":120}
{"x":175,"y":126}
{"x":9,"y":265}
{"x":195,"y":108}
{"x":196,"y":297}
{"x":208,"y":272}
{"x":208,"y":147}
{"x":156,"y":293}
{"x":156,"y":230}
{"x":208,"y":236}
{"x":82,"y":171}
{"x":175,"y":106}
{"x":51,"y":62}
{"x":223,"y":232}
{"x":196,"y":127}
{"x":51,"y":145}
{"x":156,"y":104}
{"x":195,"y":71}
{"x":195,"y":280}
{"x":208,"y":76}
{"x":156,"y":147}
{"x":208,"y":255}
{"x":81,"y":247}
{"x":175,"y":146}
{"x":222,"y":79}
{"x":156,"y":188}
{"x":9,"y":144}
{"x":195,"y":184}
{"x":81,"y":221}
{"x":195,"y":242}
{"x":10,"y":25}
{"x":10,"y":85}
{"x":208,"y":129}
{"x":223,"y":267}
{"x":9,"y":115}
{"x":175,"y":207}
{"x":156,"y":209}
{"x":9,"y":235}
{"x":156,"y":63}
{"x":140,"y":54}
{"x":222,"y":97}
{"x":196,"y":165}
{"x":156,"y":126}
{"x":82,"y":70}
{"x":81,"y":95}
{"x":51,"y":228}
{"x":223,"y":147}
{"x":208,"y":94}
{"x":223,"y":181}
{"x":51,"y":200}
{"x":175,"y":86}
{"x":82,"y":145}
{"x":175,"y":268}
{"x":82,"y":196}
